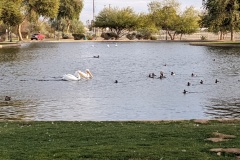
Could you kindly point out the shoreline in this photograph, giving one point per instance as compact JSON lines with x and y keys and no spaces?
{"x":212,"y":43}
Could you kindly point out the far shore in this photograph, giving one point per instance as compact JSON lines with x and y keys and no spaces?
{"x":194,"y":42}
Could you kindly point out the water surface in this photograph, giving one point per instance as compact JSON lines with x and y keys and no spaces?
{"x":31,"y":75}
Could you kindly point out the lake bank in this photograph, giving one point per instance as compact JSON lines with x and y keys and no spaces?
{"x":9,"y":44}
{"x":119,"y":139}
{"x":217,"y":43}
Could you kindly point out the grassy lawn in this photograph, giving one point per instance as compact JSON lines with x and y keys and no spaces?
{"x":217,"y":43}
{"x":182,"y":140}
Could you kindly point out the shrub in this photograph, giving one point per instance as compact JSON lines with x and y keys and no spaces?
{"x":90,"y":37}
{"x":131,"y":36}
{"x":153,"y":38}
{"x":139,"y":36}
{"x":109,"y":35}
{"x":78,"y":36}
{"x":203,"y":38}
{"x":65,"y":36}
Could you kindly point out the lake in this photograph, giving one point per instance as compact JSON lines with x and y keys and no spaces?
{"x":32,"y":76}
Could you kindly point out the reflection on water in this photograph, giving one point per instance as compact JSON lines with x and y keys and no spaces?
{"x":16,"y":110}
{"x":31,"y":75}
{"x":224,"y":109}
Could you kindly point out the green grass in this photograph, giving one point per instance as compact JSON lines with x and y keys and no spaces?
{"x":217,"y":43}
{"x":182,"y":140}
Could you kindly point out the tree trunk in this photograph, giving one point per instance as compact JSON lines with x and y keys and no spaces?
{"x":68,"y":26}
{"x":171,"y":36}
{"x":181,"y":36}
{"x":221,"y":35}
{"x":166,"y":34}
{"x":232,"y":35}
{"x":19,"y":32}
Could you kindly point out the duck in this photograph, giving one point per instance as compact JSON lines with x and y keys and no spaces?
{"x":161,"y":75}
{"x":193,"y":75}
{"x":188,"y":83}
{"x":216,"y":81}
{"x":96,"y":56}
{"x":172,"y":73}
{"x":7,"y":98}
{"x":184,"y":91}
{"x":116,"y":81}
{"x":201,"y":82}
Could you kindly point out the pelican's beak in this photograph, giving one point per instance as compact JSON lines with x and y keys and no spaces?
{"x":88,"y":71}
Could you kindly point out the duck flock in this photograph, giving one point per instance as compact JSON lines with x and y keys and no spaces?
{"x":162,"y":76}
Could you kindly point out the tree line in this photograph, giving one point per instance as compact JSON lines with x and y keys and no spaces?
{"x":58,"y":13}
{"x":219,"y":16}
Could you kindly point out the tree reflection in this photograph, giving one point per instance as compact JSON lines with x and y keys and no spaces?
{"x":17,"y":110}
{"x":224,"y":109}
{"x":8,"y":54}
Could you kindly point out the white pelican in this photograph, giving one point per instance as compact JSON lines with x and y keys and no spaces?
{"x":87,"y":75}
{"x":70,"y":77}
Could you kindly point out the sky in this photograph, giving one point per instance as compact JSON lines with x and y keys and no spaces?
{"x":138,"y":6}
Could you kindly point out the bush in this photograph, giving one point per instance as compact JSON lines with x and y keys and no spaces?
{"x":109,"y":35}
{"x":65,"y":36}
{"x":131,"y":36}
{"x":2,"y":38}
{"x":90,"y":37}
{"x":78,"y":36}
{"x":139,"y":36}
{"x":153,"y":38}
{"x":203,"y":38}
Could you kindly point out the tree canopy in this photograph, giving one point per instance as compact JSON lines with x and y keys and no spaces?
{"x":222,"y":16}
{"x":117,"y":20}
{"x":69,"y":10}
{"x":166,"y":16}
{"x":10,"y":14}
{"x":15,"y":12}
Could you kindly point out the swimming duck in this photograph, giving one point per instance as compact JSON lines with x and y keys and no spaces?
{"x":153,"y":74}
{"x":172,"y":73}
{"x":7,"y":98}
{"x":184,"y":91}
{"x":216,"y":81}
{"x":96,"y":56}
{"x":201,"y":82}
{"x":116,"y":81}
{"x":193,"y":75}
{"x":188,"y":83}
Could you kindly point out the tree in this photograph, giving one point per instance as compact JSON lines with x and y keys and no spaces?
{"x":69,"y":10}
{"x":10,"y":15}
{"x":146,"y":27}
{"x":77,"y":26}
{"x":222,"y":15}
{"x":166,"y":16}
{"x":154,"y":6}
{"x":189,"y":22}
{"x":117,"y":20}
{"x":32,"y":10}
